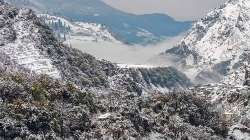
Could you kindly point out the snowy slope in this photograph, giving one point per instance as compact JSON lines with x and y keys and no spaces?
{"x":218,"y":43}
{"x":20,"y":48}
{"x":233,"y":105}
{"x":28,"y":45}
{"x":78,"y":30}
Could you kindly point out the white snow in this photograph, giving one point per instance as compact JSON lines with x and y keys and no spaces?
{"x":223,"y":35}
{"x":126,"y":66}
{"x":144,"y":33}
{"x":239,"y":135}
{"x":23,"y":51}
{"x":104,"y":116}
{"x":27,"y":56}
{"x":84,"y":31}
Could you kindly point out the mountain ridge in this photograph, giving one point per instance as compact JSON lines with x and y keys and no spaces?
{"x":40,"y":106}
{"x":30,"y":44}
{"x":66,"y":30}
{"x":218,"y":43}
{"x":125,"y":26}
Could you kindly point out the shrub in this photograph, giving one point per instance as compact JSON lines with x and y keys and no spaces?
{"x":39,"y":93}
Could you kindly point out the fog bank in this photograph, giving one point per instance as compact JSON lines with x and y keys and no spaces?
{"x":126,"y":54}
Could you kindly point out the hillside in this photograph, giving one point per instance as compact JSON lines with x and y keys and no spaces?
{"x":66,"y":30}
{"x":52,"y":91}
{"x":29,"y":44}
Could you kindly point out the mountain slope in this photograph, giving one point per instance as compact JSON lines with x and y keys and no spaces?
{"x":127,"y":27}
{"x":17,"y":45}
{"x":218,"y":44}
{"x":29,"y":44}
{"x":65,"y":30}
{"x":35,"y":106}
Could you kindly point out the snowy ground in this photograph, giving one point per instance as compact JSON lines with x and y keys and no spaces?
{"x":23,"y":51}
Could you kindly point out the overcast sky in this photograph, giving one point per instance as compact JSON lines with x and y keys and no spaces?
{"x":179,"y":9}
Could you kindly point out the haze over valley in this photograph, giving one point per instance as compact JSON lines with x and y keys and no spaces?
{"x":105,"y":69}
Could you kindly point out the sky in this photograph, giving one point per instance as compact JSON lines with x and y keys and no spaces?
{"x":179,"y":9}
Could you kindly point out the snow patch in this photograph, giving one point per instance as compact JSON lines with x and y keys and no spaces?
{"x":104,"y":116}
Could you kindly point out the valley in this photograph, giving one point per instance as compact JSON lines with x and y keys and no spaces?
{"x":65,"y":76}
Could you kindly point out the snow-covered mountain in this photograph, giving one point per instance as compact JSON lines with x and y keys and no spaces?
{"x":29,"y":45}
{"x":51,"y":91}
{"x":65,"y":29}
{"x":128,"y":28}
{"x":218,"y":45}
{"x":18,"y":42}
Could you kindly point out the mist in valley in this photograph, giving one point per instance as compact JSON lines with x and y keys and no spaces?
{"x":128,"y":54}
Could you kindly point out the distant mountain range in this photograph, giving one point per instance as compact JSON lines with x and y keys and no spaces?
{"x":128,"y":28}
